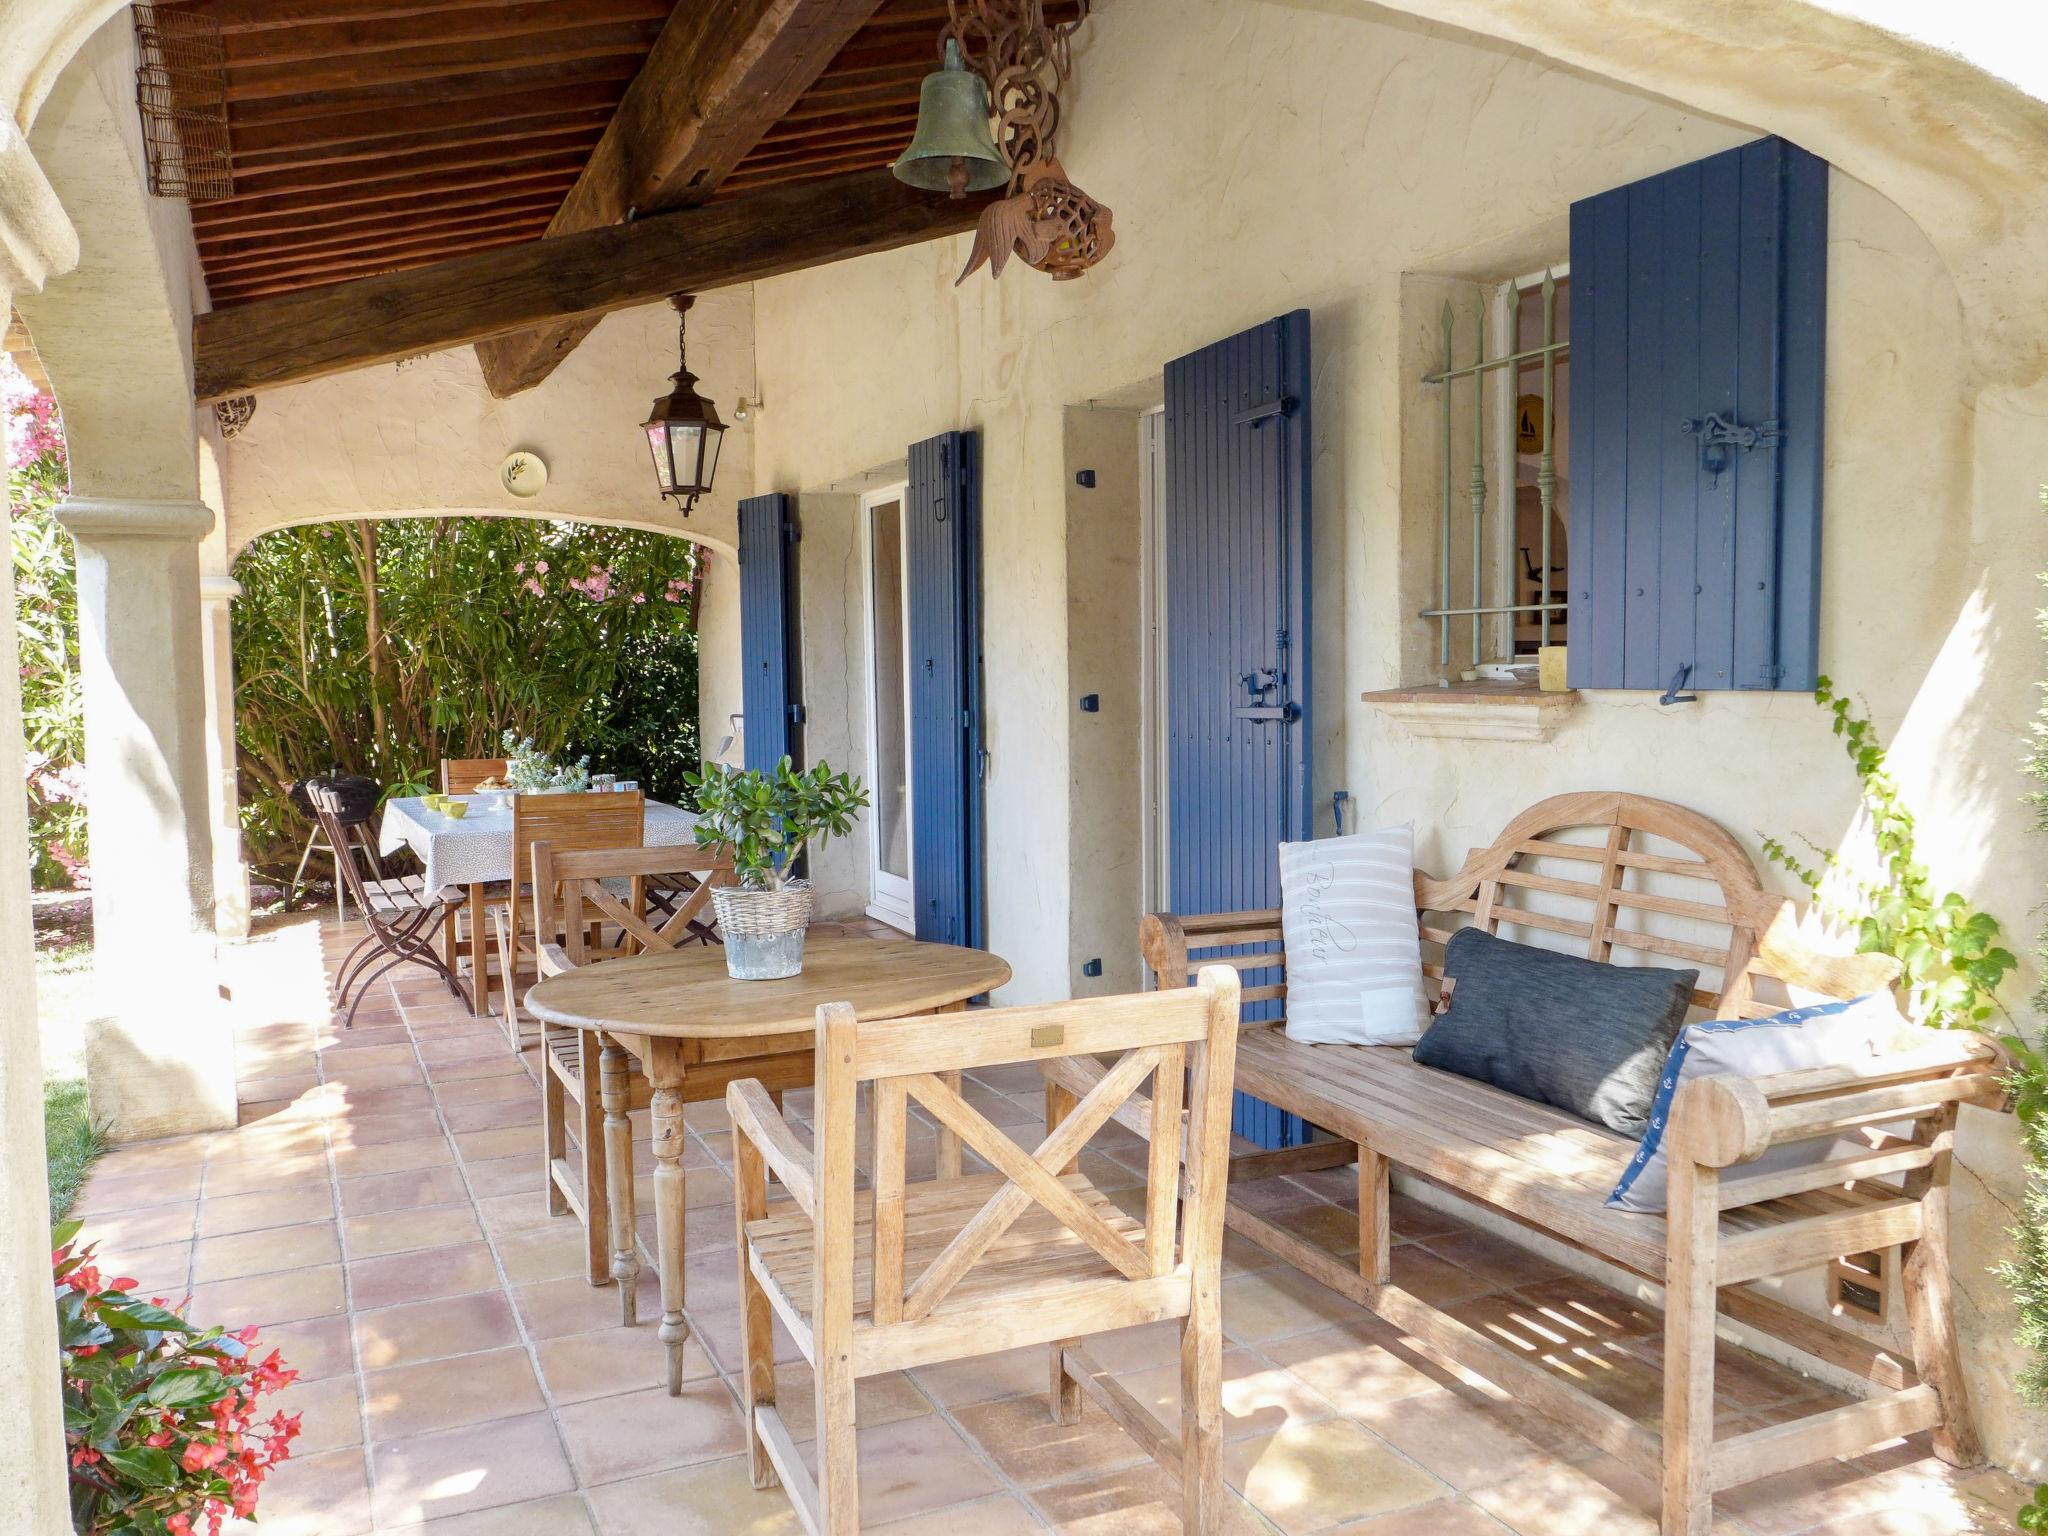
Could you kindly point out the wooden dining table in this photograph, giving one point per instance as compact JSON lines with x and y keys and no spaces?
{"x":694,"y":1029}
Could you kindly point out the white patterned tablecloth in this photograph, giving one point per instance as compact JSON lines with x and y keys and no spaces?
{"x":476,"y":849}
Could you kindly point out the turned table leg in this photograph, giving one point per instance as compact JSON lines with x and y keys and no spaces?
{"x":479,"y":957}
{"x":664,"y":1065}
{"x":612,"y":1073}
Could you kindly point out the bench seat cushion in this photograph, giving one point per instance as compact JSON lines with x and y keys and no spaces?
{"x":1542,"y":1166}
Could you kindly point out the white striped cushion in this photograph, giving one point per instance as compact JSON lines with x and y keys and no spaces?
{"x":1354,"y":959}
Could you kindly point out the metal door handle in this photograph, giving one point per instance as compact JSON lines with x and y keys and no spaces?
{"x":1288,"y":713}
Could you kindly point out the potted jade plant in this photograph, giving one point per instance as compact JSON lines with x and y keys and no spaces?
{"x":764,"y":820}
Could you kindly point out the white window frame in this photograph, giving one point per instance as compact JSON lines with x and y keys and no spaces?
{"x":1152,"y":662}
{"x":891,"y":898}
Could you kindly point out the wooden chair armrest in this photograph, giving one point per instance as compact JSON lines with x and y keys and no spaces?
{"x":1165,"y":938}
{"x":755,"y":1117}
{"x":554,"y":960}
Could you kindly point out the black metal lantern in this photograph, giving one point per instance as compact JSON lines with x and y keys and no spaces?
{"x":683,"y":430}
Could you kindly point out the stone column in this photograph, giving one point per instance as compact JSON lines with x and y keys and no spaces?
{"x":160,"y":1058}
{"x":224,"y":807}
{"x":36,"y":240}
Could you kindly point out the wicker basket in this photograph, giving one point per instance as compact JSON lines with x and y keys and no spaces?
{"x":763,"y":930}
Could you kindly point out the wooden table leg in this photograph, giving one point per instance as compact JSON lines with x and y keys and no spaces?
{"x":947,"y":1153}
{"x":479,"y":956}
{"x":613,"y":1074}
{"x":662,"y":1060}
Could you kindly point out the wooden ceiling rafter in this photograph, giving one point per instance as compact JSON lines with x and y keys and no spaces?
{"x":268,"y":251}
{"x":355,"y":261}
{"x":566,"y":45}
{"x":421,"y":100}
{"x":715,"y":81}
{"x":465,"y":136}
{"x":309,"y":43}
{"x":320,"y":180}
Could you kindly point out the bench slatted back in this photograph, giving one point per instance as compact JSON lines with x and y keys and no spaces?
{"x":1579,"y":873}
{"x":461,"y":775}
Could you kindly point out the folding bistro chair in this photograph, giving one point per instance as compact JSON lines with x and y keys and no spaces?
{"x":904,"y":1274}
{"x":569,"y":821}
{"x":401,"y":914}
{"x":584,"y":883}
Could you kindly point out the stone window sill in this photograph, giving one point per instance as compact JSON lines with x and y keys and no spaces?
{"x":1477,"y":711}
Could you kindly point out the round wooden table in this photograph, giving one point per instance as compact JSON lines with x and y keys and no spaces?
{"x":694,"y":1029}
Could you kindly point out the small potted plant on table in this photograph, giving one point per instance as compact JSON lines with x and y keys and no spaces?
{"x":764,"y":820}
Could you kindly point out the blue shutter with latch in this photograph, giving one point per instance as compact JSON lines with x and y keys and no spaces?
{"x":768,"y":631}
{"x":1237,"y":547}
{"x":942,"y":561}
{"x":1698,"y":342}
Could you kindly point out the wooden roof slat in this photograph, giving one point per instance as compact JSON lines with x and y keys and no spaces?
{"x":420,"y":100}
{"x":236,"y":294}
{"x":236,"y":16}
{"x":400,"y":215}
{"x":271,"y":250}
{"x":311,"y":43}
{"x":328,"y":178}
{"x":385,"y":257}
{"x":455,"y":122}
{"x":255,"y":81}
{"x":559,"y":167}
{"x":589,"y":120}
{"x":413,"y":208}
{"x":331,"y":329}
{"x":716,"y":80}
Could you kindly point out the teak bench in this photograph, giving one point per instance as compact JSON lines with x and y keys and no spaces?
{"x":1582,"y":868}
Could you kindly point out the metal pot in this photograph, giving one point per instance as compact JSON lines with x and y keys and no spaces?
{"x":763,"y":929}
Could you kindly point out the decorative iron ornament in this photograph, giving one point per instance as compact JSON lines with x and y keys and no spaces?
{"x":181,"y":86}
{"x":233,"y":415}
{"x":1046,"y":221}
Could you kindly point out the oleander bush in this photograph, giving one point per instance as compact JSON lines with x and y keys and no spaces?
{"x":383,"y":647}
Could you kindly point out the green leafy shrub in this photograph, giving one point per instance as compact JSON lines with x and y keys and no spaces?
{"x":766,"y":819}
{"x":1951,"y":950}
{"x":383,"y":647}
{"x":160,"y":1425}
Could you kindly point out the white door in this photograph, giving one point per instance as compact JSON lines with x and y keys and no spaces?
{"x":889,"y":890}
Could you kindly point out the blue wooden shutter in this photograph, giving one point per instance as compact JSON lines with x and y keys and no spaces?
{"x":1239,"y":733}
{"x":1701,"y":291}
{"x":768,"y":637}
{"x":942,"y":559}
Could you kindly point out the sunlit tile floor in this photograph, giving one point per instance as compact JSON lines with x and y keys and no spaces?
{"x":379,"y":1214}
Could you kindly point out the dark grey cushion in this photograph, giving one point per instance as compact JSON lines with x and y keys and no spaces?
{"x":1585,"y":1037}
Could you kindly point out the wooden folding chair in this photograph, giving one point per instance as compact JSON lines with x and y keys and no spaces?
{"x":577,"y":884}
{"x":954,"y":1268}
{"x":570,"y":822}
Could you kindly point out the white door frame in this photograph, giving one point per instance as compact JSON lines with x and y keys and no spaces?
{"x":1152,"y":662}
{"x":890,"y":897}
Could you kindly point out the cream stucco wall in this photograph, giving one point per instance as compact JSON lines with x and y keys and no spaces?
{"x":1262,"y":157}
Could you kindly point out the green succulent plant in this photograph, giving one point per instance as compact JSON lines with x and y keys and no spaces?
{"x":766,"y":818}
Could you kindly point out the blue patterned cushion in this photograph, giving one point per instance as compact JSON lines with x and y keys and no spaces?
{"x":1585,"y":1037}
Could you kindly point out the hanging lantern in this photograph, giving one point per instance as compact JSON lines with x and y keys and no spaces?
{"x":952,"y":150}
{"x":683,"y":430}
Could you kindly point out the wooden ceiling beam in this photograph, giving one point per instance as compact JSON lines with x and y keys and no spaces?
{"x":716,"y":80}
{"x":328,"y":330}
{"x":319,"y":42}
{"x":256,"y":81}
{"x":417,"y":103}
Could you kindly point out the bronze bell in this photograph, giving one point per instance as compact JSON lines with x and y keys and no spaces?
{"x":952,"y":150}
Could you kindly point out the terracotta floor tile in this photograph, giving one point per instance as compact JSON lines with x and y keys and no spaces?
{"x":394,"y":1075}
{"x":711,"y":1499}
{"x":426,"y":1275}
{"x":431,"y":1226}
{"x":614,"y":1361}
{"x":408,"y":1099}
{"x":419,"y":1399}
{"x":479,"y":1466}
{"x":261,"y":1299}
{"x":365,"y":1051}
{"x":1493,"y":1258}
{"x":1018,"y":1434}
{"x":1445,"y":1517}
{"x":146,"y":1226}
{"x":1259,"y":1397}
{"x":162,"y":1270}
{"x":224,"y":1215}
{"x":493,"y":1114}
{"x":1435,"y":1280}
{"x":485,"y":1090}
{"x":316,"y":1349}
{"x":610,"y":1438}
{"x":564,"y":1515}
{"x":553,"y":1309}
{"x":521,"y":1211}
{"x":1002,"y":1515}
{"x":1272,"y":1303}
{"x":876,"y":1399}
{"x":432,"y":1330}
{"x":509,"y":1175}
{"x":1558,"y":1500}
{"x":264,"y":1252}
{"x":912,"y":1467}
{"x":1314,"y":1475}
{"x":327,"y":1494}
{"x":393,"y":1157}
{"x":554,"y":1252}
{"x":956,"y":1383}
{"x":331,"y":1414}
{"x":498,"y":1064}
{"x":1140,"y":1500}
{"x":1357,"y":1367}
{"x":1466,"y":1439}
{"x":359,"y":1129}
{"x":403,"y":1191}
{"x":104,"y":1193}
{"x":505,"y":1141}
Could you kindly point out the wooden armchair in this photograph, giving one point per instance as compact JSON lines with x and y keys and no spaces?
{"x":568,"y":821}
{"x":569,"y":887}
{"x":462,"y":775}
{"x":953,"y":1268}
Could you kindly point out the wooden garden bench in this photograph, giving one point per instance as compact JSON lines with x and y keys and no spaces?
{"x":1602,"y":872}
